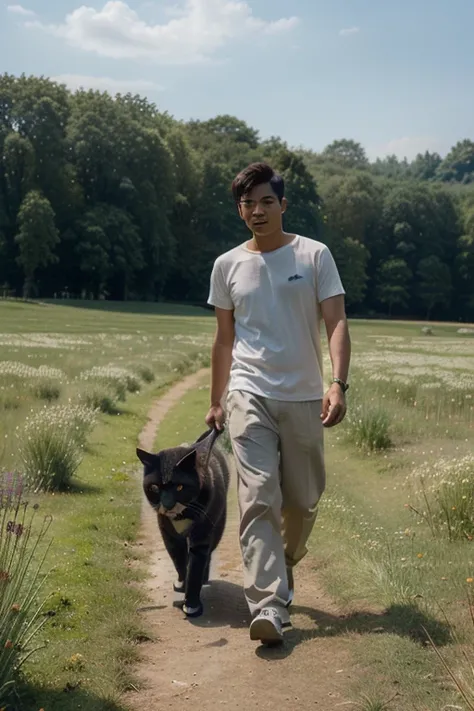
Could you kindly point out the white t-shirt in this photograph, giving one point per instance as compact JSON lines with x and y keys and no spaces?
{"x":275,"y":297}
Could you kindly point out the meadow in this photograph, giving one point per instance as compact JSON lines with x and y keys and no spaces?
{"x":75,"y":388}
{"x":392,"y":543}
{"x":395,"y":530}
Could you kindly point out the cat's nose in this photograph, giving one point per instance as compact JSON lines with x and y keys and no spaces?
{"x":167,"y":500}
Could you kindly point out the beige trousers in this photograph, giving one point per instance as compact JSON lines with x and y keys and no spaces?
{"x":279,"y":453}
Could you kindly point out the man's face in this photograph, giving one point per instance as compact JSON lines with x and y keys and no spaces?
{"x":261,"y":210}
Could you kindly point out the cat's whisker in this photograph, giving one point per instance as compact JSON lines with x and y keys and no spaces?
{"x":197,"y":508}
{"x":200,"y":510}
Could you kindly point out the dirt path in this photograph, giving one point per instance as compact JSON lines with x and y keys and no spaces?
{"x":211,"y":661}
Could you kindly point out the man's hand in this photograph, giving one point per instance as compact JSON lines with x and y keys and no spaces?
{"x":215,"y":417}
{"x":334,"y":406}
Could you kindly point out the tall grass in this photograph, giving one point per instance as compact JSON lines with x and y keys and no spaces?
{"x":145,"y":372}
{"x":46,"y":389}
{"x":99,"y":396}
{"x":51,"y":446}
{"x":367,"y":703}
{"x":121,"y":379}
{"x":444,"y":497}
{"x":367,"y":425}
{"x":22,"y":558}
{"x":462,"y":675}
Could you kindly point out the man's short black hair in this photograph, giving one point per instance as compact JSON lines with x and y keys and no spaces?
{"x":257,"y":174}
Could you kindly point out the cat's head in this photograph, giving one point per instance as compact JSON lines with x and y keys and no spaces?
{"x":172,"y":478}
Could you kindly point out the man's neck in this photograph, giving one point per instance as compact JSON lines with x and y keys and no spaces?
{"x":268,"y":243}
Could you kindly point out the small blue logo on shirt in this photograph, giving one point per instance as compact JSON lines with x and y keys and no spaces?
{"x":293,"y":278}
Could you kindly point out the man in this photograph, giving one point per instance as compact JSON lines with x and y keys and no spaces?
{"x":269,"y":295}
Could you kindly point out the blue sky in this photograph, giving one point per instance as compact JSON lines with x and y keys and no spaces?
{"x":396,"y":76}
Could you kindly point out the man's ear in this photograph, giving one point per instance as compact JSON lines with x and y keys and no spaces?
{"x":146,"y":458}
{"x":284,"y":205}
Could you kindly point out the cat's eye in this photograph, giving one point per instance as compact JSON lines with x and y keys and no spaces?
{"x":179,"y":487}
{"x":154,"y":488}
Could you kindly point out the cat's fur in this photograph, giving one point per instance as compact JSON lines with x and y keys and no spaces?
{"x":187,"y":486}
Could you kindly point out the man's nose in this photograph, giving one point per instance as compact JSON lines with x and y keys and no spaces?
{"x":258,"y":209}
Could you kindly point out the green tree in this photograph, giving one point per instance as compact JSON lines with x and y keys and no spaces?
{"x":393,"y":279}
{"x":425,"y":166}
{"x":36,"y":238}
{"x":352,"y":203}
{"x":434,"y":283}
{"x":19,"y":171}
{"x":300,"y":190}
{"x":346,"y":152}
{"x":458,"y":166}
{"x":391,"y":167}
{"x":464,"y":267}
{"x":351,"y":258}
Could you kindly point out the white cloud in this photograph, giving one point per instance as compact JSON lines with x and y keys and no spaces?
{"x":20,"y":10}
{"x":346,"y":32}
{"x":195,"y":31}
{"x":409,"y":147}
{"x":113,"y":86}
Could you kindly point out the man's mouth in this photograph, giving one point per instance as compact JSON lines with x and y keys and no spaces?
{"x":260,"y":222}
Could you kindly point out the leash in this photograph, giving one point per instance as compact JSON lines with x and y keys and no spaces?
{"x":210,"y":438}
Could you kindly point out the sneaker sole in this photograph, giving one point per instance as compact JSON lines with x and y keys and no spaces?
{"x":265,"y":631}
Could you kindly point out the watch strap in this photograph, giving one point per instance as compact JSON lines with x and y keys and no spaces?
{"x":344,"y":386}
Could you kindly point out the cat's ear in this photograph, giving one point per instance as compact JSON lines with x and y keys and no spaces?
{"x":188,"y":462}
{"x":146,"y":458}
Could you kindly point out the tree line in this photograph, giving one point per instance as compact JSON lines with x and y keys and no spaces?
{"x":108,"y":197}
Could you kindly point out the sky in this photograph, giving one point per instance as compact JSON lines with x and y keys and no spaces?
{"x":395,"y":76}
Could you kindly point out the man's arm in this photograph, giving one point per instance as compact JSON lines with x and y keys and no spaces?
{"x":334,"y":316}
{"x":221,"y":361}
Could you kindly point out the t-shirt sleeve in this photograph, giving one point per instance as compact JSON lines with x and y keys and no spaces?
{"x":219,"y":293}
{"x":328,"y":279}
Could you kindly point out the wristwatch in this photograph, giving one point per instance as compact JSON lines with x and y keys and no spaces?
{"x":344,"y":386}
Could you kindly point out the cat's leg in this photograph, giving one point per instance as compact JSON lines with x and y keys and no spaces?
{"x":207,"y":571}
{"x":198,"y":560}
{"x":177,"y":548}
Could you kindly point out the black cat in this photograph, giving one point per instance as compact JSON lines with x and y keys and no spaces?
{"x":187,"y":486}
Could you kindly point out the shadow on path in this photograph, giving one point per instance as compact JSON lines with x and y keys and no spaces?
{"x":402,"y":620}
{"x":225,"y":606}
{"x":70,"y":698}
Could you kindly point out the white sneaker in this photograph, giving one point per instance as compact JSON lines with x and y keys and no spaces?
{"x":267,"y":626}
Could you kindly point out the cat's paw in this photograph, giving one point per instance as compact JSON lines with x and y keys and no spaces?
{"x":178,"y":586}
{"x":193,"y":611}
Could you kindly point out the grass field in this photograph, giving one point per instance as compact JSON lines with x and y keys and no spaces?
{"x":394,"y":535}
{"x":395,"y":530}
{"x":53,"y":358}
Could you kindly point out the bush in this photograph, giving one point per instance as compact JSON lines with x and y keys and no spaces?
{"x":21,"y":564}
{"x":145,"y":373}
{"x":444,"y":497}
{"x":46,"y":389}
{"x":120,"y":379}
{"x":99,"y":396}
{"x":368,"y":426}
{"x":51,"y":446}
